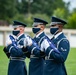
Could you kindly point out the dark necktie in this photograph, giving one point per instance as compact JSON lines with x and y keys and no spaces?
{"x":52,"y":38}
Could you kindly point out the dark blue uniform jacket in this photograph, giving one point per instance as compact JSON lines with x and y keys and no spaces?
{"x":17,"y":65}
{"x":55,"y":63}
{"x":36,"y":63}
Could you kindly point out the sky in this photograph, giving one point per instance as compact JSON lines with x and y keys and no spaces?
{"x":72,"y":4}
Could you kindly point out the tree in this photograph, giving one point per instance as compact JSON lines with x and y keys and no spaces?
{"x":22,"y":6}
{"x":40,"y":6}
{"x":7,"y":9}
{"x":11,"y":9}
{"x":72,"y":21}
{"x":59,"y":13}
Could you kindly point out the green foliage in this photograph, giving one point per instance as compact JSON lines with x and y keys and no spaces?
{"x":23,"y":18}
{"x":28,"y":19}
{"x":19,"y":17}
{"x":43,"y":16}
{"x":60,"y":13}
{"x":46,"y":6}
{"x":26,"y":9}
{"x":7,"y":9}
{"x":72,"y":21}
{"x":22,"y":6}
{"x":74,"y":10}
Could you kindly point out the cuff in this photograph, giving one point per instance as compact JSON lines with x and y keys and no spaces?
{"x":9,"y":47}
{"x":48,"y":51}
{"x":6,"y":52}
{"x":31,"y":48}
{"x":25,"y":50}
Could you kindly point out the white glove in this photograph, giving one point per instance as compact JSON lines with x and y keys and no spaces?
{"x":8,"y":41}
{"x":45,"y":44}
{"x":25,"y":42}
{"x":28,"y":41}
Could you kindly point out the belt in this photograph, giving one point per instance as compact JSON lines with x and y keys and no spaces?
{"x":17,"y":58}
{"x":33,"y":56}
{"x":46,"y":58}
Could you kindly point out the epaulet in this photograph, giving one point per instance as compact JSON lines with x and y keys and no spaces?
{"x":60,"y":41}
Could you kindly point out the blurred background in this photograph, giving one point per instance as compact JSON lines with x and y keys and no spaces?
{"x":25,"y":11}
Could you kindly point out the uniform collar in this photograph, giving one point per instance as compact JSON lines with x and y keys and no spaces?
{"x":20,"y":36}
{"x":39,"y":34}
{"x":55,"y":36}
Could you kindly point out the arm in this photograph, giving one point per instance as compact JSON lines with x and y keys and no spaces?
{"x":6,"y":52}
{"x":33,"y":48}
{"x":26,"y":52}
{"x":63,"y":48}
{"x":12,"y":47}
{"x":13,"y":51}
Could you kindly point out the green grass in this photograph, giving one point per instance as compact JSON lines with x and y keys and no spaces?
{"x":4,"y":62}
{"x":70,"y":63}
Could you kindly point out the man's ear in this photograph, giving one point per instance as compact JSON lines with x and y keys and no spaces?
{"x":21,"y":29}
{"x":60,"y":27}
{"x":42,"y":27}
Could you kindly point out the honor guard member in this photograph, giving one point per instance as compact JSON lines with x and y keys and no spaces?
{"x":13,"y":48}
{"x":54,"y":61}
{"x":36,"y":62}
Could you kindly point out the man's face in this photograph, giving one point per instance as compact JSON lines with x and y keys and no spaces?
{"x":57,"y":26}
{"x":54,"y":29}
{"x":54,"y":26}
{"x":19,"y":29}
{"x":38,"y":28}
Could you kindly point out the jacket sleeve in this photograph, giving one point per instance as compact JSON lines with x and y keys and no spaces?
{"x":13,"y":51}
{"x":6,"y":52}
{"x":26,"y":52}
{"x":63,"y":48}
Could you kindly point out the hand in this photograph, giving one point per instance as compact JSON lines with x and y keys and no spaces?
{"x":8,"y":42}
{"x":28,"y":41}
{"x":12,"y":37}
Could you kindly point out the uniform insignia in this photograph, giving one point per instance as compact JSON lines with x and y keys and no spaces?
{"x":63,"y":49}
